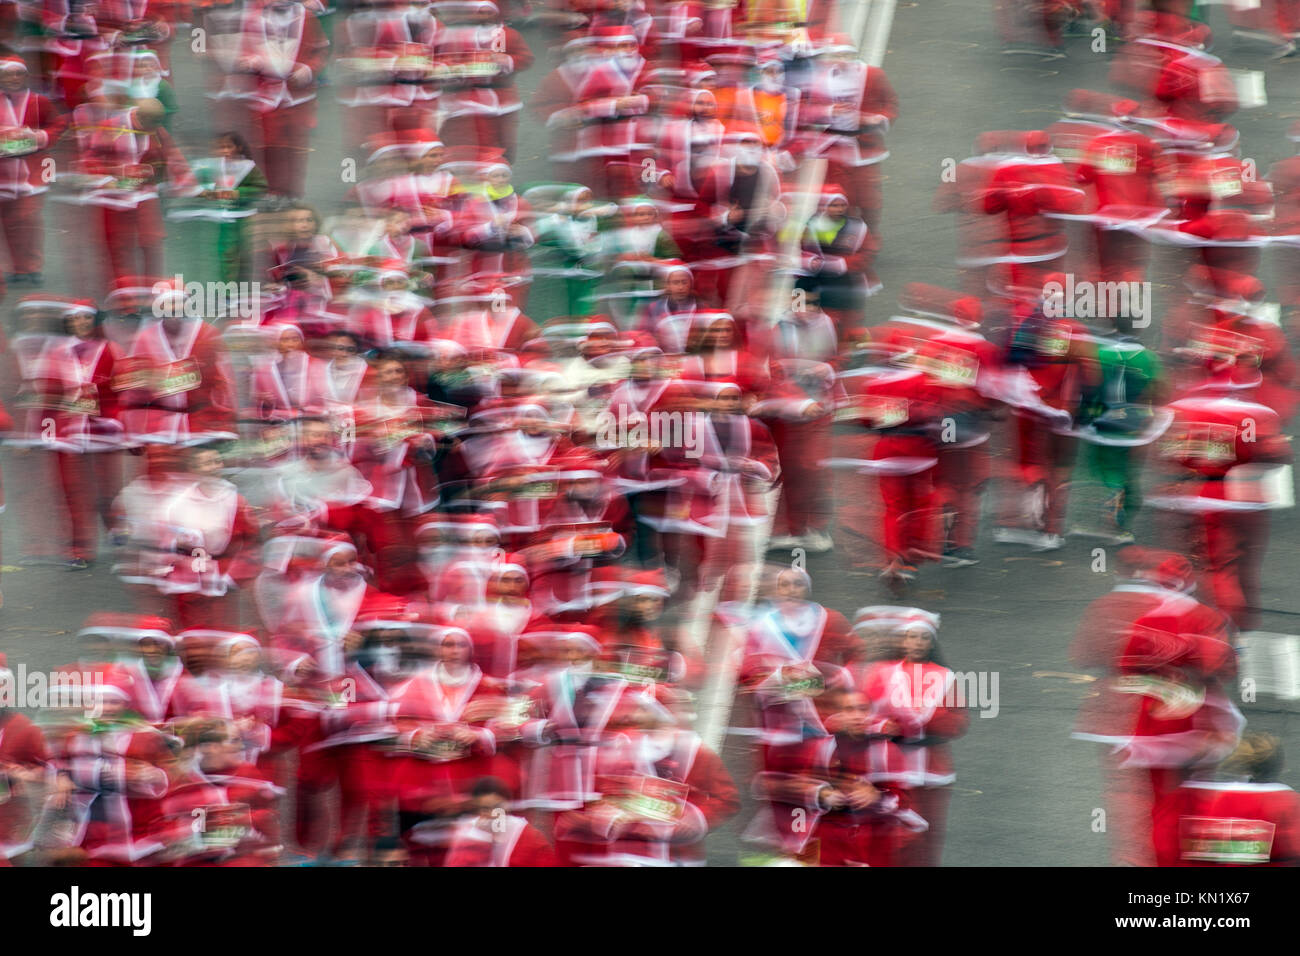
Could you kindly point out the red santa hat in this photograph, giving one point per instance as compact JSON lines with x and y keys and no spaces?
{"x":1092,"y":103}
{"x":935,"y":301}
{"x":1166,"y":568}
{"x":1224,"y":286}
{"x":836,"y":44}
{"x":1031,"y":142}
{"x":12,"y":64}
{"x":830,"y":193}
{"x":386,"y":612}
{"x":127,"y":289}
{"x":614,"y":34}
{"x":605,"y":583}
{"x":697,"y":72}
{"x":125,"y":627}
{"x":410,"y":142}
{"x":739,"y":55}
{"x":42,"y":301}
{"x":650,"y":583}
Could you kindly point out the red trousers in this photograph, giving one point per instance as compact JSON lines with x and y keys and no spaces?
{"x":909,"y":521}
{"x":1044,"y":459}
{"x":282,"y":139}
{"x":132,"y":240}
{"x":959,"y":479}
{"x":482,"y":131}
{"x":805,"y":503}
{"x":926,"y":849}
{"x":24,"y":232}
{"x":1232,"y":545}
{"x":89,"y":484}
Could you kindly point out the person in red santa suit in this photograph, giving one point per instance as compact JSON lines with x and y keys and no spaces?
{"x":1028,"y":185}
{"x":1050,"y":362}
{"x":1284,"y":177}
{"x":355,"y":731}
{"x":299,"y":260}
{"x":939,"y":335}
{"x":128,"y":160}
{"x":146,"y":650}
{"x":737,"y":213}
{"x":913,"y":717}
{"x":669,"y":316}
{"x":716,"y":350}
{"x":593,"y":103}
{"x":822,"y":808}
{"x":1241,"y":816}
{"x":274,"y":385}
{"x":489,"y":835}
{"x":1217,"y":429}
{"x":498,"y":622}
{"x":661,"y":792}
{"x":1225,"y":307}
{"x":173,"y":383}
{"x":1118,"y":164}
{"x":492,"y":226}
{"x":444,"y":744}
{"x":386,"y":312}
{"x":483,"y":58}
{"x":191,"y":533}
{"x":219,"y":810}
{"x":747,"y":455}
{"x":1159,"y":707}
{"x":794,"y":647}
{"x":838,"y":250}
{"x":318,"y":613}
{"x":320,"y":488}
{"x":234,"y":687}
{"x":22,"y":765}
{"x":110,"y":772}
{"x":480,"y":314}
{"x":72,"y":412}
{"x":803,"y":344}
{"x":395,"y":442}
{"x":391,"y":47}
{"x":849,"y":109}
{"x":30,"y":126}
{"x":271,"y":87}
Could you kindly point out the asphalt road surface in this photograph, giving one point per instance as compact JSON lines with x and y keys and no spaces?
{"x":1025,"y":793}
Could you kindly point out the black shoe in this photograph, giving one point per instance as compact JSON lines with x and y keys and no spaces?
{"x":959,"y":557}
{"x":77,"y":564}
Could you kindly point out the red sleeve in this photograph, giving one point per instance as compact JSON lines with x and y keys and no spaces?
{"x":533,"y":850}
{"x":712,"y":789}
{"x":879,"y":96}
{"x":518,"y":50}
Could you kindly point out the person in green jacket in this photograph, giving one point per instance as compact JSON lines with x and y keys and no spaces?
{"x":1120,"y":407}
{"x":233,"y":256}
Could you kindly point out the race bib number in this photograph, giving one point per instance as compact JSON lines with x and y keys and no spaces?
{"x":653,"y":798}
{"x":1215,"y":840}
{"x":952,"y":367}
{"x":178,"y":377}
{"x":1120,"y":160}
{"x":131,"y":374}
{"x":1054,"y":341}
{"x":886,"y":411}
{"x":224,"y":827}
{"x":1204,"y":441}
